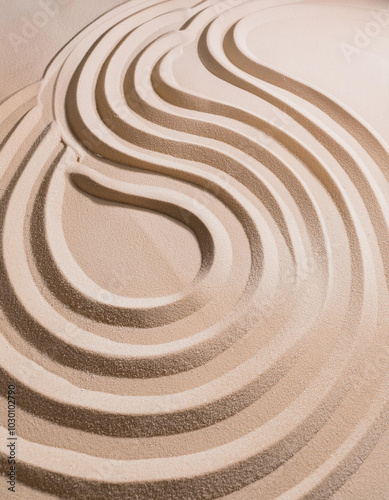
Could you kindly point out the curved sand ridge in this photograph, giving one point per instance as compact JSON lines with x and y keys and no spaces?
{"x":251,"y":372}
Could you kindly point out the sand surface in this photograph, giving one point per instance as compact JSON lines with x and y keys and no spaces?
{"x":194,"y":259}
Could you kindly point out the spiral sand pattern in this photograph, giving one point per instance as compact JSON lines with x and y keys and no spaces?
{"x":249,"y":373}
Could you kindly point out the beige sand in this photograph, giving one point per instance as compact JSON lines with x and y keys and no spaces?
{"x":194,"y":263}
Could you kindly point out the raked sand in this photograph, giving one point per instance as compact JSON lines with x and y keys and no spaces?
{"x":194,"y":265}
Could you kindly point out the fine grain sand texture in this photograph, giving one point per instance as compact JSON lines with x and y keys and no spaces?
{"x":194,"y":259}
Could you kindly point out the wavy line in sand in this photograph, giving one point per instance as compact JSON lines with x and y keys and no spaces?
{"x":265,"y":342}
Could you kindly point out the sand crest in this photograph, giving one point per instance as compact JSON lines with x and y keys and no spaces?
{"x":194,"y":265}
